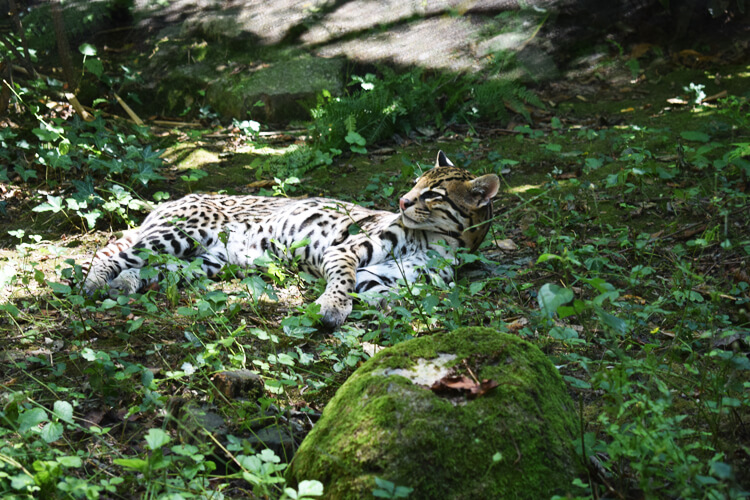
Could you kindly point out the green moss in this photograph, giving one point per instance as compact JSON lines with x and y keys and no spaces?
{"x":386,"y":426}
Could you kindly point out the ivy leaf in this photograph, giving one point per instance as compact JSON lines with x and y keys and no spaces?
{"x":48,"y":132}
{"x":91,"y":218}
{"x":53,"y":204}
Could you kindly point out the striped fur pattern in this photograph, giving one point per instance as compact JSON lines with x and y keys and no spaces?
{"x":446,"y":206}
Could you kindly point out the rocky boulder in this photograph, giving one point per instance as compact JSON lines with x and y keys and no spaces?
{"x":469,"y":414}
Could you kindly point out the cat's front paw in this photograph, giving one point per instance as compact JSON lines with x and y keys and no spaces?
{"x":127,"y":282}
{"x":92,"y":283}
{"x":334,"y":310}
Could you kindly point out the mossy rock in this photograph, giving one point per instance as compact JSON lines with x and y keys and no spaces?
{"x":385,"y":422}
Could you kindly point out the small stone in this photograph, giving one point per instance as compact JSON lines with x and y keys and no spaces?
{"x":239,"y":384}
{"x":275,"y":438}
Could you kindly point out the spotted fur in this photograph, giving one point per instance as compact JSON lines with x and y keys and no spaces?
{"x":445,"y":210}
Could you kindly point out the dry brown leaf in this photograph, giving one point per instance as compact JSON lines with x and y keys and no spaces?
{"x":634,"y":298}
{"x":566,"y":175}
{"x":463,"y":385}
{"x":639,"y":50}
{"x":517,"y":324}
{"x":454,"y":382}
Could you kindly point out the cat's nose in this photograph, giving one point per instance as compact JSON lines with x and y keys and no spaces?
{"x":405,"y":203}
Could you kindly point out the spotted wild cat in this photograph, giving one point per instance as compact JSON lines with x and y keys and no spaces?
{"x":445,"y":210}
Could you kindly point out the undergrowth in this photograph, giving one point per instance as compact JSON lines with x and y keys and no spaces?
{"x":628,"y":267}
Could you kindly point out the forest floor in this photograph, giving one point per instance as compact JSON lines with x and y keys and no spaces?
{"x":624,"y":201}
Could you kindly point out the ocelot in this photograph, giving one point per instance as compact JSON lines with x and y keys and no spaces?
{"x":354,"y":248}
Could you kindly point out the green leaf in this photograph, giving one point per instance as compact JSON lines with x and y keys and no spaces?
{"x":135,"y":324}
{"x":70,"y":461}
{"x":156,"y":438}
{"x":402,"y":492}
{"x":310,"y":488}
{"x":547,"y":256}
{"x":691,"y":135}
{"x":53,"y":204}
{"x":185,"y":450}
{"x":292,"y":493}
{"x":476,"y":287}
{"x":47,"y":132}
{"x":91,"y":218}
{"x":268,"y":455}
{"x":59,"y":288}
{"x":10,"y":309}
{"x":563,"y":333}
{"x":132,"y":463}
{"x":31,"y":418}
{"x":95,"y":66}
{"x":615,"y":323}
{"x":577,"y":382}
{"x":63,"y":410}
{"x":594,"y":163}
{"x":299,"y":244}
{"x":551,"y":297}
{"x":147,"y":378}
{"x":354,"y":228}
{"x":385,"y":484}
{"x":22,"y":482}
{"x":354,"y":138}
{"x":87,"y":49}
{"x":721,"y":470}
{"x":108,"y":304}
{"x":599,"y":284}
{"x":52,"y":432}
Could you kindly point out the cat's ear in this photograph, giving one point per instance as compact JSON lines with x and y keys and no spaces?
{"x":484,"y":188}
{"x":443,"y":161}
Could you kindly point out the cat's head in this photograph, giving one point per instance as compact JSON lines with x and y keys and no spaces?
{"x":449,"y":200}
